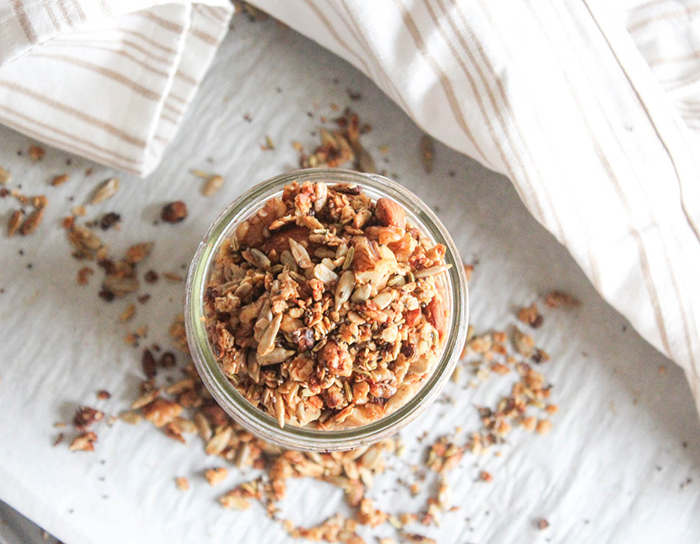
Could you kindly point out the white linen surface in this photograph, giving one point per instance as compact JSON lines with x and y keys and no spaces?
{"x":616,"y":467}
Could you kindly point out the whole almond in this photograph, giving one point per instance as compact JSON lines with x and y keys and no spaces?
{"x":390,"y":213}
{"x":436,"y":314}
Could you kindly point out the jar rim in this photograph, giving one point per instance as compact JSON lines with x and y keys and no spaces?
{"x":263,"y":424}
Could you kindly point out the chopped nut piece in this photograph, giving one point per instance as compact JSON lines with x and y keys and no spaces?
{"x":215,"y":475}
{"x":175,"y":212}
{"x":84,"y":442}
{"x":485,"y":476}
{"x":182,"y":483}
{"x":4,"y":176}
{"x":105,"y":191}
{"x":542,"y":524}
{"x":160,"y":412}
{"x":558,"y":299}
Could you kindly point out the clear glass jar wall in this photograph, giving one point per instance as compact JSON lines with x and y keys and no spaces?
{"x":255,"y":420}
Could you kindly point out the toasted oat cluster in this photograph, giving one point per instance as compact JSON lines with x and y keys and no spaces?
{"x":325,"y":309}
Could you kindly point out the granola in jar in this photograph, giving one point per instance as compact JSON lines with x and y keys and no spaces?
{"x":325,"y":308}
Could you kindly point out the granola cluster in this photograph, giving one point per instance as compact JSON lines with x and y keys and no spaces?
{"x":325,"y":307}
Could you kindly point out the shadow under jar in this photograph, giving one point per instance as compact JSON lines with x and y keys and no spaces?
{"x":268,"y":343}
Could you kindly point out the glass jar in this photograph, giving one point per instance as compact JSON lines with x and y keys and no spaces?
{"x":454,"y":286}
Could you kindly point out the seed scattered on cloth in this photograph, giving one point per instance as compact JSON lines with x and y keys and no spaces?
{"x":175,"y":212}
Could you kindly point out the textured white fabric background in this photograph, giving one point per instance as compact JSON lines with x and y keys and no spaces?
{"x":624,"y":442}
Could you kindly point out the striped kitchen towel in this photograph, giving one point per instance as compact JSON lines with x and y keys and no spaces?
{"x":106,"y":79}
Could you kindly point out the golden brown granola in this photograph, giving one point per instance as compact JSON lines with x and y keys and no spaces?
{"x":325,"y":307}
{"x":558,"y":299}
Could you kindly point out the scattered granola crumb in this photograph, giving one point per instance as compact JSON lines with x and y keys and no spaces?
{"x":215,"y":475}
{"x":148,"y":364}
{"x":84,"y":275}
{"x":14,"y":222}
{"x":4,"y":176}
{"x":543,"y":426}
{"x":132,"y":418}
{"x":542,"y":524}
{"x":59,"y":439}
{"x":151,"y":276}
{"x":485,"y":476}
{"x":85,"y":417}
{"x":662,"y":369}
{"x":109,"y":220}
{"x":60,"y":179}
{"x":558,"y":299}
{"x":415,"y":538}
{"x":103,"y":394}
{"x":173,"y":277}
{"x":183,"y":484}
{"x":530,"y":316}
{"x":175,"y":212}
{"x":36,"y":153}
{"x":128,"y":313}
{"x":84,"y":442}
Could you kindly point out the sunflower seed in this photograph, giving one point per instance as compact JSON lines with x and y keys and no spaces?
{"x":345,"y":286}
{"x":432,"y":271}
{"x":361,"y":294}
{"x":212,"y":185}
{"x":277,"y":355}
{"x":301,"y":256}
{"x":106,"y":191}
{"x":258,"y":258}
{"x":324,"y":274}
{"x":383,"y":299}
{"x":267,"y":342}
{"x":349,"y":257}
{"x":219,"y":441}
